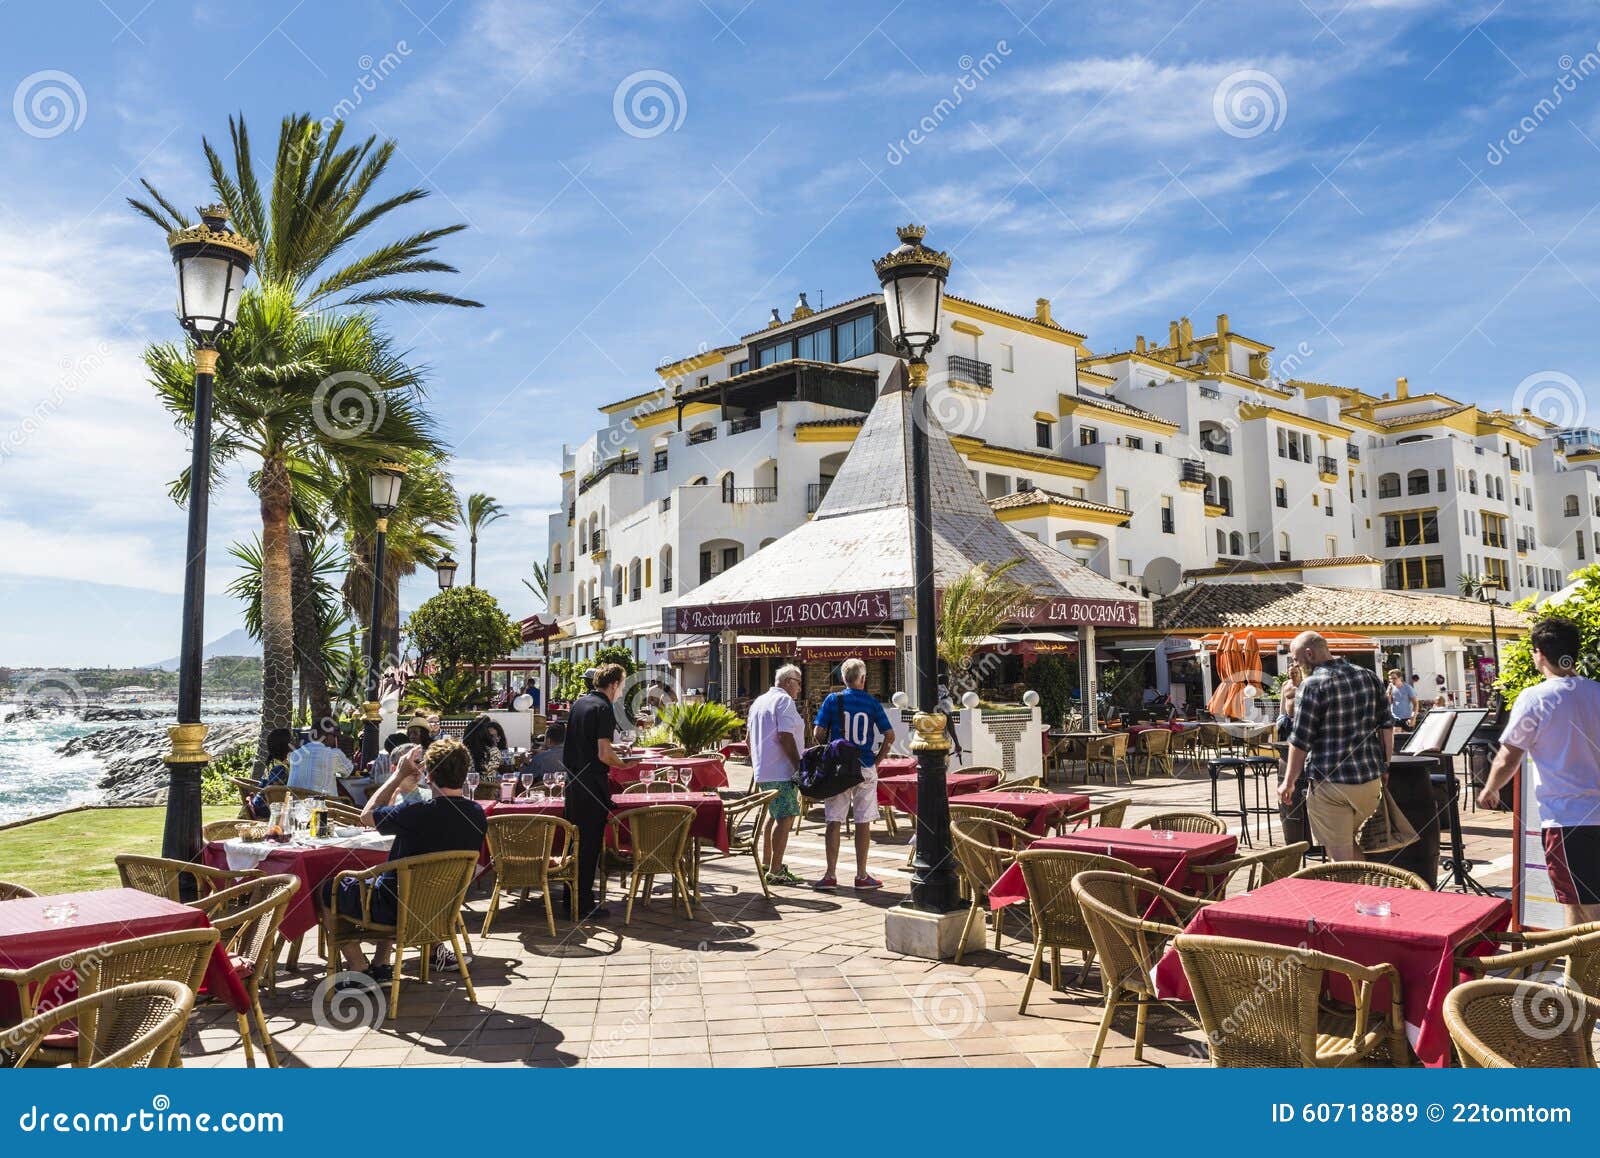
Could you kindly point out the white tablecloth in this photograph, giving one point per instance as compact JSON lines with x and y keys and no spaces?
{"x":247,"y":854}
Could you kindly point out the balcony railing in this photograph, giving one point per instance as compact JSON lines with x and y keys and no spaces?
{"x":659,"y":463}
{"x":615,"y":466}
{"x":666,"y":582}
{"x":555,"y":567}
{"x":1328,"y":510}
{"x":1516,"y":463}
{"x":666,"y":504}
{"x":1216,"y":446}
{"x":1522,"y":546}
{"x":1327,"y":464}
{"x":1352,"y":452}
{"x":709,"y":573}
{"x":740,"y":425}
{"x":969,"y":370}
{"x":815,"y":493}
{"x":749,"y":494}
{"x":1210,"y":392}
{"x":1167,"y":525}
{"x":597,"y":541}
{"x":696,"y":437}
{"x":1491,"y":539}
{"x":1192,"y":470}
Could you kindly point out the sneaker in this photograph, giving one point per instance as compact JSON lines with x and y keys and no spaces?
{"x":826,"y":884}
{"x":786,"y":877}
{"x":865,"y":883}
{"x":444,"y":960}
{"x":381,"y":973}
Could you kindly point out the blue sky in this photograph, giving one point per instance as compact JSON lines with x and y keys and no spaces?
{"x":1369,"y":212}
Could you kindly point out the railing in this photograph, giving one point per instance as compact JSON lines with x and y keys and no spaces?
{"x":666,"y":582}
{"x":1328,"y":510}
{"x":1210,"y":392}
{"x":709,"y":573}
{"x":555,"y":567}
{"x":1516,"y":463}
{"x":1522,"y":546}
{"x":1218,"y":446}
{"x":597,"y":540}
{"x":1192,"y":470}
{"x":659,"y":463}
{"x":969,"y":370}
{"x":696,"y":437}
{"x":1491,"y":539}
{"x":1167,"y":527}
{"x":740,"y":425}
{"x":634,"y":595}
{"x":749,"y":494}
{"x":1352,"y":452}
{"x":615,"y":466}
{"x":666,"y":504}
{"x":1327,"y":464}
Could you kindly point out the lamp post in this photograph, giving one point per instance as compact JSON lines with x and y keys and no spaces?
{"x":913,"y":278}
{"x":211,"y":262}
{"x":445,"y":569}
{"x":1485,"y":587}
{"x":384,"y":487}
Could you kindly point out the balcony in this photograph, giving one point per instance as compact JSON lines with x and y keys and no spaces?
{"x":1210,"y":392}
{"x":1191,"y":470}
{"x":969,"y":370}
{"x":1522,"y":546}
{"x":1491,"y":539}
{"x":740,"y":425}
{"x":615,"y":466}
{"x":815,"y":493}
{"x":666,"y":583}
{"x":572,"y":513}
{"x":749,"y":494}
{"x":659,"y":463}
{"x":1216,"y":445}
{"x":597,"y":544}
{"x":1516,"y":464}
{"x":1327,"y":464}
{"x":1352,"y":452}
{"x":696,"y":437}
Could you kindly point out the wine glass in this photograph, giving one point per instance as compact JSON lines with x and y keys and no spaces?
{"x":526,"y":778}
{"x":473,"y":780}
{"x":549,"y":779}
{"x":561,"y":782}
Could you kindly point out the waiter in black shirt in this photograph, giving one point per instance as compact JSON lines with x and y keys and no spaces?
{"x":589,"y":757}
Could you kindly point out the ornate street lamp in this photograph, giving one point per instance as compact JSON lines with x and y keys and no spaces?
{"x":211,"y":262}
{"x":913,"y":278}
{"x":446,"y":570}
{"x":384,"y":485}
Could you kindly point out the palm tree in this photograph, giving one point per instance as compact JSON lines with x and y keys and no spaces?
{"x":269,"y":403}
{"x":540,"y":583}
{"x":973,"y":606}
{"x":479,"y":511}
{"x":315,"y":209}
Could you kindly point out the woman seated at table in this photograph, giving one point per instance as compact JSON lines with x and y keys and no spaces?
{"x":447,"y":823}
{"x":486,"y":742}
{"x":278,"y":741}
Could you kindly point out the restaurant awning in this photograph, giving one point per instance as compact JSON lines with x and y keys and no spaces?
{"x":1269,"y":639}
{"x":750,"y":647}
{"x":839,"y":650}
{"x":1038,"y":643}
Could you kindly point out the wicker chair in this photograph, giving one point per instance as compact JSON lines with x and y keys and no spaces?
{"x":655,"y":786}
{"x":1504,"y":1024}
{"x":247,"y":917}
{"x":1108,"y":815}
{"x":1021,"y":784}
{"x":1361,"y":872}
{"x":524,"y":851}
{"x":1109,"y":753}
{"x":1130,"y":942}
{"x":11,"y":892}
{"x":221,"y":830}
{"x":430,"y":891}
{"x":1250,"y":1023}
{"x":980,"y":859}
{"x":164,"y":878}
{"x":742,"y":841}
{"x":1155,"y":746}
{"x":1261,"y":868}
{"x":1057,"y":919}
{"x":1183,"y":822}
{"x":1535,"y":955}
{"x":658,"y":838}
{"x":136,"y":1026}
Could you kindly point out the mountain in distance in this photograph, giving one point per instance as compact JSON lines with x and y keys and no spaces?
{"x":236,"y":642}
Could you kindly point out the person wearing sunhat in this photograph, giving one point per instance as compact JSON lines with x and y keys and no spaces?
{"x":419,"y":732}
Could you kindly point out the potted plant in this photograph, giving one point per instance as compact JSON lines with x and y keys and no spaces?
{"x":700,"y":727}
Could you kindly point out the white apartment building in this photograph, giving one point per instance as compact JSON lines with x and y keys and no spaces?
{"x":1146,"y":464}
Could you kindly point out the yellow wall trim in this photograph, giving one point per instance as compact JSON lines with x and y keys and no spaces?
{"x":1070,"y":404}
{"x":1049,"y":510}
{"x":967,"y":328}
{"x":689,"y":365}
{"x":1044,"y":416}
{"x":1250,"y":411}
{"x":660,"y":394}
{"x":1005,"y":321}
{"x":982,"y":452}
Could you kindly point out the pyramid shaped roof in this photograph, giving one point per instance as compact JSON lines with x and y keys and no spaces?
{"x":852,"y":562}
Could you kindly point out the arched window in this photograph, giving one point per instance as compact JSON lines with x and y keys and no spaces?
{"x":635,"y":580}
{"x":666,"y":569}
{"x":1499,"y":489}
{"x":1284,"y":554}
{"x":1417,"y":482}
{"x":616,"y":586}
{"x":1472,"y":482}
{"x":1211,"y":490}
{"x":1214,"y":438}
{"x":555,"y":553}
{"x":1280,"y":494}
{"x":1236,"y":544}
{"x":727,"y":487}
{"x":1572,"y":505}
{"x":1222,"y":542}
{"x":1225,"y":496}
{"x":1389,"y":486}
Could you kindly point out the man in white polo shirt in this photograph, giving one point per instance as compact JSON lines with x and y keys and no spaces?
{"x":777,"y":735}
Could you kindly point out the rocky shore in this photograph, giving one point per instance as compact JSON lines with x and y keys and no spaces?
{"x":134,"y":771}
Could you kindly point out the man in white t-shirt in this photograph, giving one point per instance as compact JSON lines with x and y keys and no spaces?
{"x":319,"y":764}
{"x":777,"y":735}
{"x":1555,"y":722}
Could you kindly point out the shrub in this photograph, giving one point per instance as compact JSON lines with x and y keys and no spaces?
{"x":699,"y":727}
{"x":463,"y":627}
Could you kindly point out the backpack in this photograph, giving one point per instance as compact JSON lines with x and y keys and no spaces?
{"x":829,"y":769}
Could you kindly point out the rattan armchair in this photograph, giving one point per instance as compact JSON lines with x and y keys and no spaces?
{"x":221,"y":829}
{"x":1109,"y":753}
{"x":1362,"y":872}
{"x":1260,"y":868}
{"x":1131,"y":921}
{"x":164,"y":878}
{"x":1248,"y":1022}
{"x":430,"y":891}
{"x":1505,"y":1024}
{"x":1057,"y":920}
{"x":533,"y":852}
{"x":247,"y":917}
{"x":655,"y":786}
{"x":1021,"y":784}
{"x":1534,"y":956}
{"x":743,"y":841}
{"x":1155,"y":746}
{"x":135,"y":1026}
{"x":1111,"y":814}
{"x":658,"y":838}
{"x":981,"y":858}
{"x":1183,"y":822}
{"x":13,"y":892}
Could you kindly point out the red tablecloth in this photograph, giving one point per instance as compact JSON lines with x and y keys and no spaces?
{"x":104,"y":916}
{"x":737,"y":750}
{"x":710,"y":819}
{"x":900,"y":790}
{"x":312,"y":865}
{"x":897,"y":766}
{"x":706,"y":773}
{"x":1170,"y":860}
{"x":1037,"y":810}
{"x":1420,"y":937}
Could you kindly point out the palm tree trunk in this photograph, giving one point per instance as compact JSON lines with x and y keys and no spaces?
{"x":307,"y":638}
{"x":277,"y":605}
{"x":473,"y":572}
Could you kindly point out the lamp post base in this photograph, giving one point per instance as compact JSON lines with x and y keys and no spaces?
{"x":371,"y":715}
{"x":913,"y":932}
{"x":186,"y":763}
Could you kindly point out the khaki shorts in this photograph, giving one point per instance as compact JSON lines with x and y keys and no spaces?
{"x":1336,"y":812}
{"x":859,"y":804}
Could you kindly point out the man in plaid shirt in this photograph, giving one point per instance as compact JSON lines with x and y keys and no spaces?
{"x":1342,"y":740}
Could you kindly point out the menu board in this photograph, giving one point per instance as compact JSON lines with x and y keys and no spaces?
{"x":1532,"y":897}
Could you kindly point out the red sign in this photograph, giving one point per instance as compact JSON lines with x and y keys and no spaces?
{"x":838,"y":652}
{"x":815,"y":611}
{"x":1067,"y":610}
{"x":770,"y":649}
{"x":538,"y":627}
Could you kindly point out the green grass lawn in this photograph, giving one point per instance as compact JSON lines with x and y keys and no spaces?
{"x":75,"y":852}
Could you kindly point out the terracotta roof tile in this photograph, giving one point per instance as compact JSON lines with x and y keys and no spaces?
{"x":1243,"y":606}
{"x":1251,"y":565}
{"x":1038,"y":495}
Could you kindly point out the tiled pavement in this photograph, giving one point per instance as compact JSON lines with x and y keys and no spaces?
{"x":802,"y":980}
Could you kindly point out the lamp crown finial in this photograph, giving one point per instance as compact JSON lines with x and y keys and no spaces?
{"x":215,"y":214}
{"x":912,"y":234}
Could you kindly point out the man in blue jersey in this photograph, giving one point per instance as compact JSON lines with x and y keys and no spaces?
{"x":855,"y":716}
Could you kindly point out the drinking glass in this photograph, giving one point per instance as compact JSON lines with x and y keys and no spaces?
{"x":526,"y":777}
{"x":561,"y":783}
{"x":473,"y":780}
{"x":549,"y":779}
